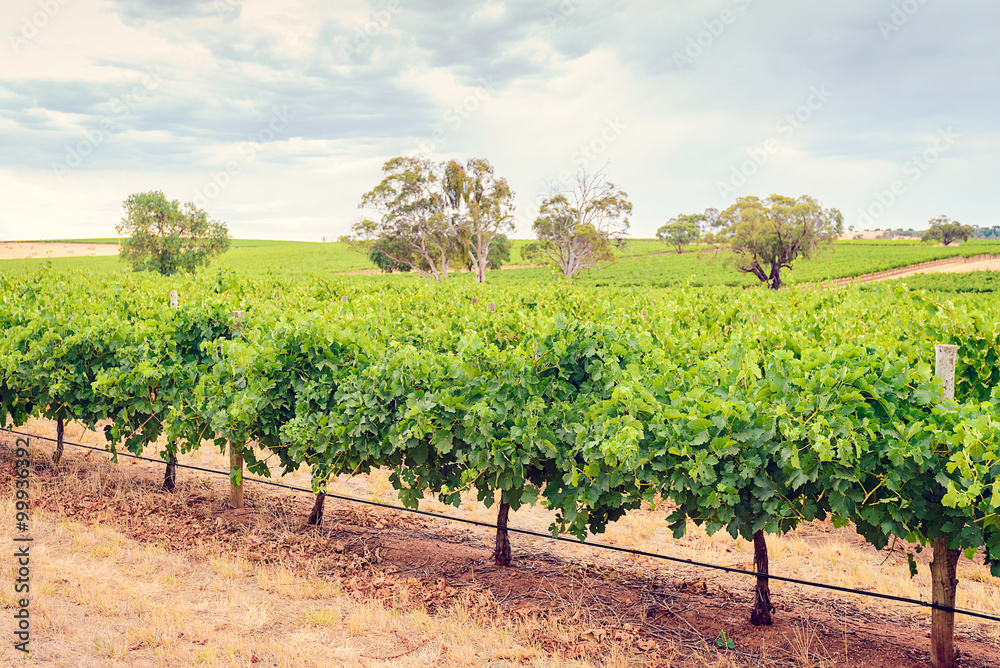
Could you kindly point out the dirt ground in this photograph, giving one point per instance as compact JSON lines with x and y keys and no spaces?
{"x":557,"y":605}
{"x":14,"y":250}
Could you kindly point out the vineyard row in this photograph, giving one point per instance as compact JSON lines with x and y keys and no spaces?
{"x":750,"y":412}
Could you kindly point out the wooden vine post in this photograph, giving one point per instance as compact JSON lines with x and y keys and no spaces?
{"x":944,"y":581}
{"x":236,"y":457}
{"x":170,"y":476}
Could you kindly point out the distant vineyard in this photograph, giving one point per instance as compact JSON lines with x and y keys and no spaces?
{"x":709,"y":268}
{"x":973,"y":282}
{"x":750,"y":411}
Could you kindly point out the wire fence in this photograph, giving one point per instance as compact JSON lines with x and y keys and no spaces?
{"x":538,"y":534}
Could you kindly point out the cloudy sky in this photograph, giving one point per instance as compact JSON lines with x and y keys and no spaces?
{"x":276,"y":117}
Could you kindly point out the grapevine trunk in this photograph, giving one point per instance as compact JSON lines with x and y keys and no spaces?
{"x":316,"y":516}
{"x":170,"y":477}
{"x":762,"y":609}
{"x":501,"y":554}
{"x":60,"y":428}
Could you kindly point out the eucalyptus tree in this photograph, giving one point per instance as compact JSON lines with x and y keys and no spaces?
{"x":769,"y":235}
{"x":681,"y":230}
{"x":481,"y":207}
{"x":436,"y":215}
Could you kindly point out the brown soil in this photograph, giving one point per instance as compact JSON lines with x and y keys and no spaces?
{"x":373,"y":554}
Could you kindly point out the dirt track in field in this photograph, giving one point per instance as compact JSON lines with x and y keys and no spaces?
{"x":21,"y":250}
{"x":955,"y":268}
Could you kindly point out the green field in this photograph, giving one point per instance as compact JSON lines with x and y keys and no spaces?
{"x":973,"y":281}
{"x":642,"y":263}
{"x":246,"y":256}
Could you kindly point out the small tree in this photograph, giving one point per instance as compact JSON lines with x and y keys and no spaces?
{"x":681,"y":230}
{"x":499,"y":254}
{"x":577,"y":230}
{"x":382,"y":252}
{"x":768,"y":235}
{"x":167,"y":238}
{"x":946,"y":231}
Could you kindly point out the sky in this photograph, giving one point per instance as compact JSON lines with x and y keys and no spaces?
{"x":276,"y":117}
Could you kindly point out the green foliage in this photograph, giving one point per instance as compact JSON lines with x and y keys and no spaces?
{"x":724,"y":641}
{"x":167,"y":238}
{"x":973,"y":282}
{"x":499,"y":253}
{"x":384,"y":250}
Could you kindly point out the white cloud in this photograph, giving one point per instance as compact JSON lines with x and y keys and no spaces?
{"x":570,"y":83}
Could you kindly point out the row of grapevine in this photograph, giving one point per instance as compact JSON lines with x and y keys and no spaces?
{"x":750,"y":411}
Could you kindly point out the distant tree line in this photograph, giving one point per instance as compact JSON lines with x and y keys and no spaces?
{"x":438,"y":217}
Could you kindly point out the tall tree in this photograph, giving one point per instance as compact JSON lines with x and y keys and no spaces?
{"x":411,"y":202}
{"x":480,"y":206}
{"x":576,"y":230}
{"x":768,"y":235}
{"x":436,"y":215}
{"x":165,"y":237}
{"x":947,"y":231}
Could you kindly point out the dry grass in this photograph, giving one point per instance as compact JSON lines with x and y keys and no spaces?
{"x":104,"y":600}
